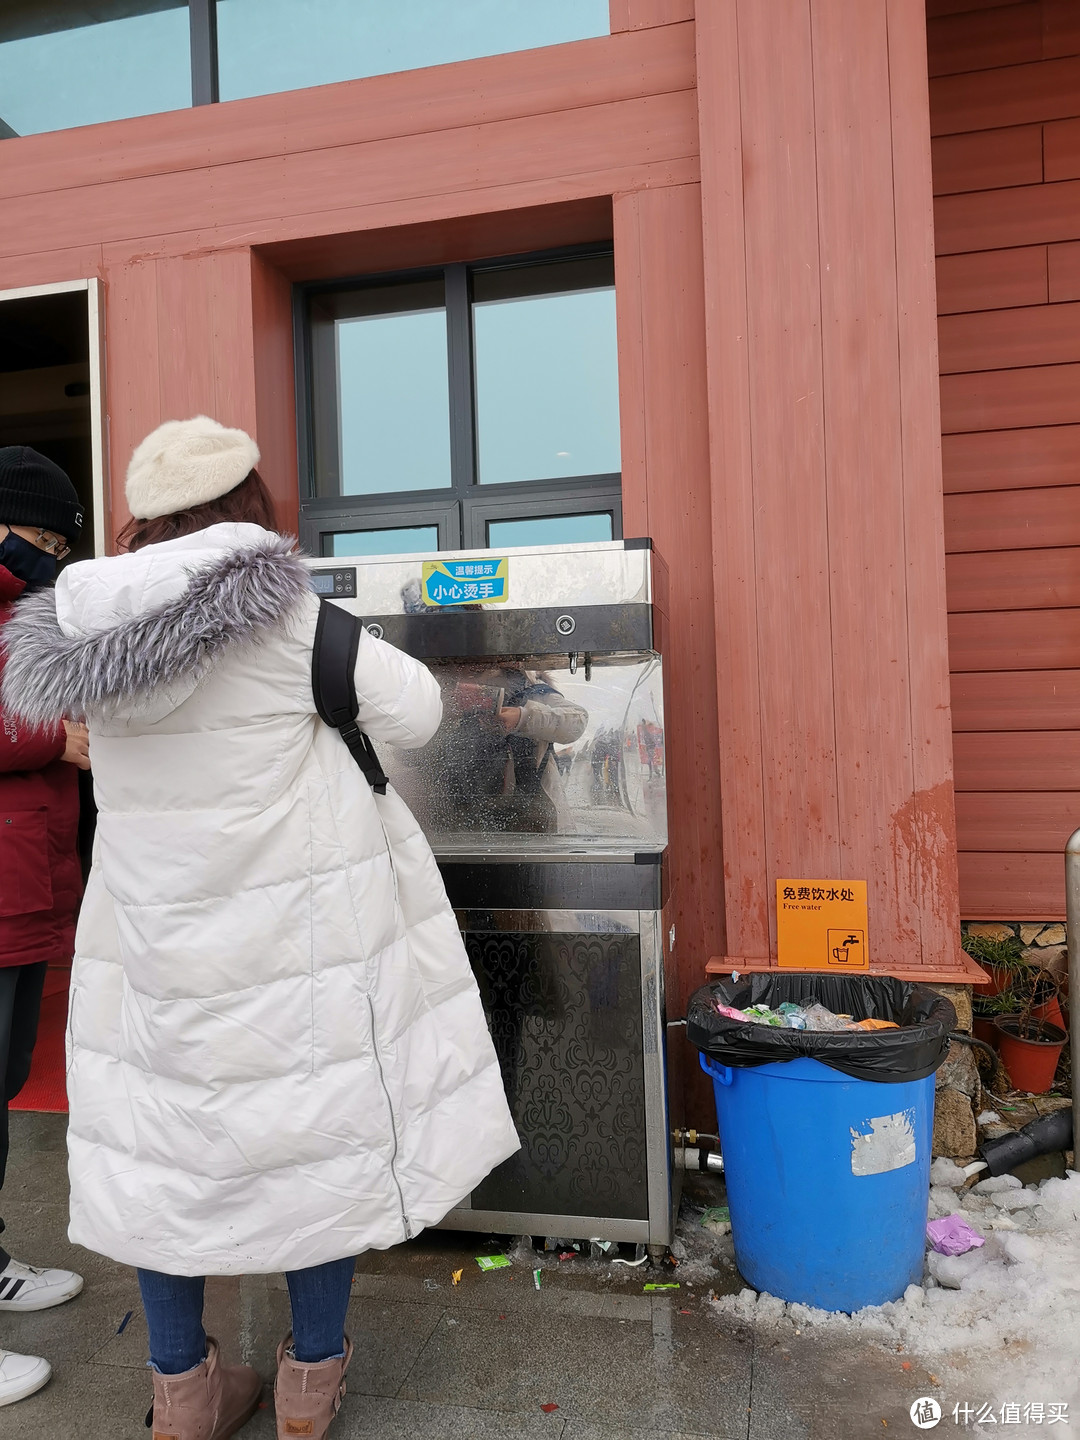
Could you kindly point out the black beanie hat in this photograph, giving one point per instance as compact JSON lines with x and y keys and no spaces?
{"x":35,"y":491}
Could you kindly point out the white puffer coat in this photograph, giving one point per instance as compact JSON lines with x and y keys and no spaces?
{"x":277,"y":1054}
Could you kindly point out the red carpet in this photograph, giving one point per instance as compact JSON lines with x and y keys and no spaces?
{"x":45,"y":1089}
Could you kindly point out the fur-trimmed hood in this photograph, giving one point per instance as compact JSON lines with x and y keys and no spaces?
{"x":115,"y":630}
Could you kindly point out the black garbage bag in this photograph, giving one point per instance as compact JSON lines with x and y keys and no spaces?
{"x":926,"y":1020}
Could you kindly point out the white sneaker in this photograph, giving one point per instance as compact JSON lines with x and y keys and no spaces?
{"x":21,"y":1375}
{"x":23,"y":1287}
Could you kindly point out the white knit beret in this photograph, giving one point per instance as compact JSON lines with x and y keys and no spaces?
{"x":185,"y":463}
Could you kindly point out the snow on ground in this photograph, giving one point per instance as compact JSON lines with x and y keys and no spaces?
{"x":1001,"y":1323}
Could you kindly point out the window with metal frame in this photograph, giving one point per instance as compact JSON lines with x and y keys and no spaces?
{"x":65,"y":63}
{"x":473,"y":404}
{"x":272,"y":45}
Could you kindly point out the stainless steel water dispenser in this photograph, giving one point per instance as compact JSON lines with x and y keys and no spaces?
{"x":544,"y":796}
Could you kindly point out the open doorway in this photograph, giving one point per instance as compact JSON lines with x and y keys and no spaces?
{"x":51,"y":399}
{"x":50,"y":389}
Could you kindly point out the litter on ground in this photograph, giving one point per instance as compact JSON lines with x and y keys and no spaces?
{"x":1000,"y":1321}
{"x":492,"y":1262}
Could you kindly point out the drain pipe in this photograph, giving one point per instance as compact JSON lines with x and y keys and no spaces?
{"x":691,"y":1154}
{"x":1072,"y":924}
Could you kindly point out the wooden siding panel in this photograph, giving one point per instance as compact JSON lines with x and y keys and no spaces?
{"x":274,"y":392}
{"x":193,"y":319}
{"x":995,"y":219}
{"x":871,"y":665}
{"x":1023,"y":821}
{"x":988,"y":160}
{"x":1014,"y":640}
{"x":641,"y":14}
{"x":326,"y":117}
{"x":1007,"y":399}
{"x":1063,"y":271}
{"x":1014,"y":580}
{"x":1006,"y":35}
{"x":310,"y":228}
{"x":993,"y":280}
{"x":185,"y":334}
{"x":1004,"y":339}
{"x":923,"y":838}
{"x":1017,"y":700}
{"x":794,"y":739}
{"x":996,"y":886}
{"x":1018,"y":760}
{"x":996,"y":99}
{"x":407,"y":247}
{"x":1063,"y":149}
{"x":80,"y":262}
{"x":799,"y":763}
{"x":1011,"y":459}
{"x":132,"y":385}
{"x":257,"y":196}
{"x":1013,"y":519}
{"x":1006,"y":95}
{"x":740,"y":681}
{"x":658,"y":236}
{"x":1061,"y":28}
{"x":934,"y":8}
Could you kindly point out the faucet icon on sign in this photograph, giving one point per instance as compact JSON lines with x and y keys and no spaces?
{"x":846,"y":948}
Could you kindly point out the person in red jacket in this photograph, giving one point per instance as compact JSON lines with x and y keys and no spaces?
{"x":40,"y":873}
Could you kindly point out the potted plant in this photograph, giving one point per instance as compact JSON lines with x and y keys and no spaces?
{"x":1001,"y":959}
{"x":986,"y":1010}
{"x":1030,"y":1039}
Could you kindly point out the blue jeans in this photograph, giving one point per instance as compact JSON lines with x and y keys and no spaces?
{"x":319,"y":1297}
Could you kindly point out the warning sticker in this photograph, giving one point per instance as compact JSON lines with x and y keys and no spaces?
{"x":482,"y":581}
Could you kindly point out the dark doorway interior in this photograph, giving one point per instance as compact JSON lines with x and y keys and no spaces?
{"x":45,"y":388}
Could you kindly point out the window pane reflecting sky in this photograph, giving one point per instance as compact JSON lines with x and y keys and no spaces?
{"x":547,"y":386}
{"x":549,"y":530}
{"x":386,"y":542}
{"x":393,"y":402}
{"x":85,"y":73}
{"x":268,"y":45}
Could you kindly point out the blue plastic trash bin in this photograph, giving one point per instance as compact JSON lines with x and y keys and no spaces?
{"x":827,"y":1178}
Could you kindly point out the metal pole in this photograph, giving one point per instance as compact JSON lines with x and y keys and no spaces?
{"x":1072,"y":915}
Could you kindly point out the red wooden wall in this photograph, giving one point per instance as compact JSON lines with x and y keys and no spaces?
{"x":1005,"y":114}
{"x":827,"y":528}
{"x":765,"y":173}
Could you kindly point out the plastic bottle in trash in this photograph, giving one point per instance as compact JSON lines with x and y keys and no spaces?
{"x":794,"y":1016}
{"x":819,"y":1018}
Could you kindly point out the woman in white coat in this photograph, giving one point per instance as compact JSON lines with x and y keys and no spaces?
{"x":277,"y":1052}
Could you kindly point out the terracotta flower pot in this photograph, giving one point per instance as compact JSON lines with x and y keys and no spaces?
{"x":1050,"y":1010}
{"x":985,"y":1029}
{"x":1030,"y":1063}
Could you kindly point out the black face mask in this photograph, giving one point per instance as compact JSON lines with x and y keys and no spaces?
{"x":36,"y":568}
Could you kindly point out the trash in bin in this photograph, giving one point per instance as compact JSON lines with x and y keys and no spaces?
{"x":731,"y":1013}
{"x":826,"y":1134}
{"x":794,"y":1015}
{"x":911,"y":1052}
{"x":819,"y":1017}
{"x":797,"y":1017}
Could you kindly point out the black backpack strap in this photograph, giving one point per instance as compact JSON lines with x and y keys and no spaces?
{"x":333,"y":685}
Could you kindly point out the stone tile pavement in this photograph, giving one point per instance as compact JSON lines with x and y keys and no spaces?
{"x":451,"y":1363}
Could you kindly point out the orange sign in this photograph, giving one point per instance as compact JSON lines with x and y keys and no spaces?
{"x":821,"y":925}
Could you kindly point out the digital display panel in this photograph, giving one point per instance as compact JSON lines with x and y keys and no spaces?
{"x":323,"y":584}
